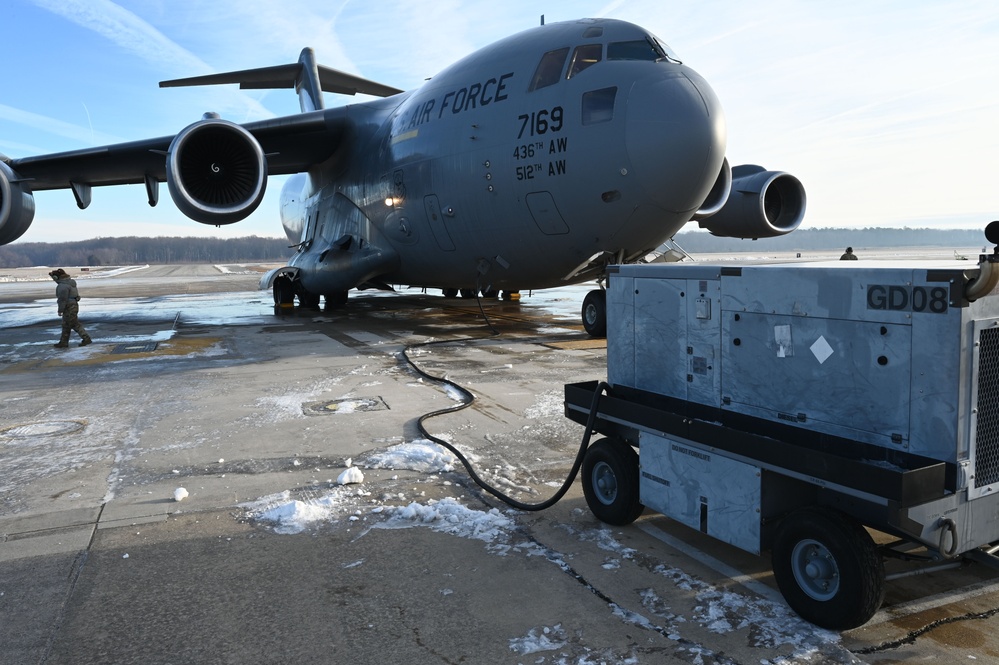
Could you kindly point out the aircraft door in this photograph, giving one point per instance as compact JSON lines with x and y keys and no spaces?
{"x":309,"y":230}
{"x":436,"y":220}
{"x":546,"y":214}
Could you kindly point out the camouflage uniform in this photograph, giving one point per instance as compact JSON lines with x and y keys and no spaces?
{"x":68,"y":301}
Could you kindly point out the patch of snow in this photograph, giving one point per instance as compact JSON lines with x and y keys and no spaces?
{"x":419,"y":455}
{"x":351,"y":475}
{"x":549,"y":639}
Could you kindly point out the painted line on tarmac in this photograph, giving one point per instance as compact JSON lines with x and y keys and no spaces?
{"x":757,"y":587}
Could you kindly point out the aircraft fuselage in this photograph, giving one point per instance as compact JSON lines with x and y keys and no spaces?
{"x":515,"y":168}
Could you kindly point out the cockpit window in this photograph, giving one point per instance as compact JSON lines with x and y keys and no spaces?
{"x":641,"y":49}
{"x":583,"y":57}
{"x":549,"y":69}
{"x":598,"y":105}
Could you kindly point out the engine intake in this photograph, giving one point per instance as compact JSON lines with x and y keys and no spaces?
{"x":719,"y":194}
{"x":17,"y":205}
{"x":763,"y":204}
{"x":216,"y":172}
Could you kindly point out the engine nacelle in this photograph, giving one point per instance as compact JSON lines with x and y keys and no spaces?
{"x":719,"y":193}
{"x":216,"y":172}
{"x":17,"y":205}
{"x":762,"y":204}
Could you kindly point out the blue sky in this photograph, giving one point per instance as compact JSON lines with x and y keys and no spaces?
{"x":888,"y":111}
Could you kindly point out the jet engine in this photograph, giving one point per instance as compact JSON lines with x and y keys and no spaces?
{"x":719,"y":193}
{"x":17,"y":205}
{"x":762,"y":204}
{"x":216,"y":172}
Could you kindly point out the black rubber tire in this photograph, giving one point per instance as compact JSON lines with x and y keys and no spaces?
{"x":336,"y":300}
{"x":450,"y":293}
{"x":469,"y":293}
{"x":828,"y":568}
{"x":308,"y":300}
{"x":284,"y":291}
{"x":594,"y":313}
{"x":610,"y":482}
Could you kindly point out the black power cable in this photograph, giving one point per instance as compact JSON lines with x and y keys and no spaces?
{"x":469,"y":398}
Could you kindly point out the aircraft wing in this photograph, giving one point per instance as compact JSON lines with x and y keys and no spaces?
{"x":216,"y":170}
{"x":290,"y":144}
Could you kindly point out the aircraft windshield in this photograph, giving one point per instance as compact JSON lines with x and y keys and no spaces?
{"x":640,"y":49}
{"x":549,"y":69}
{"x":584,"y":56}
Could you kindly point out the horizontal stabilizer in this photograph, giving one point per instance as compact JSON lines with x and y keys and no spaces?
{"x":305,"y":76}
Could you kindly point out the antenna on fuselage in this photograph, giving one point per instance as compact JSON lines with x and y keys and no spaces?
{"x":542,"y":19}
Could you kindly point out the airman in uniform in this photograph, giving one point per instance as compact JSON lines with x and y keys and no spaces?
{"x":68,"y":301}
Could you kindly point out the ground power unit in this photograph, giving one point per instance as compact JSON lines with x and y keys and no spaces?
{"x":786,"y":407}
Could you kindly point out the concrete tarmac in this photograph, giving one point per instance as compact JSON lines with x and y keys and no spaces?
{"x":194,"y":383}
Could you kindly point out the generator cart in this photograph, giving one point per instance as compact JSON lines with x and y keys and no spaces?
{"x":786,"y":407}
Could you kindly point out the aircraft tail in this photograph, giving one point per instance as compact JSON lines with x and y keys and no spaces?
{"x":309,"y":79}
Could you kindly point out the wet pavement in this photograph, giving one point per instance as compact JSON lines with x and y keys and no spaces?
{"x":194,"y":383}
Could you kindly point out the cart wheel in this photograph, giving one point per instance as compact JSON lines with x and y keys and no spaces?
{"x":594,"y":313}
{"x":610,"y":482}
{"x":828,"y":568}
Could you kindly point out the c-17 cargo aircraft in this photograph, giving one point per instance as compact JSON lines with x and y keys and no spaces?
{"x":534,"y":162}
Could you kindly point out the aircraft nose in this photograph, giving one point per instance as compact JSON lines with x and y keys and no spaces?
{"x":675,"y":137}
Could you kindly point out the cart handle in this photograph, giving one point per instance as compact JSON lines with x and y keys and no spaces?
{"x":947,"y":525}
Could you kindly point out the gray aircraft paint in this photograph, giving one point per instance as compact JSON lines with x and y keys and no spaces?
{"x":473,"y":180}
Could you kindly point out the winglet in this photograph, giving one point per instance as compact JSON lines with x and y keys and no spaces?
{"x":309,"y":80}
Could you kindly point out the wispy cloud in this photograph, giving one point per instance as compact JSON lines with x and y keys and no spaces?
{"x":54,"y":126}
{"x":135,"y":36}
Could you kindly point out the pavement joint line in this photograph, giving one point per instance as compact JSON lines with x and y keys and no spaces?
{"x":757,"y":587}
{"x":34,"y":533}
{"x":949,"y":597}
{"x":78,"y":564}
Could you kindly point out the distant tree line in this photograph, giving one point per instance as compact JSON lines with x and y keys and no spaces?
{"x":826,"y":239}
{"x":134,"y":250}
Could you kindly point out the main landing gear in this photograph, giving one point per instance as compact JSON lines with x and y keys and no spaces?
{"x":286,"y":290}
{"x":490,"y":294}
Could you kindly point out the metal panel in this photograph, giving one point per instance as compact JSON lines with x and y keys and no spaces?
{"x":985,"y":414}
{"x":702,"y":489}
{"x":850,"y":378}
{"x":621,"y":330}
{"x":704,"y":341}
{"x":661,"y":336}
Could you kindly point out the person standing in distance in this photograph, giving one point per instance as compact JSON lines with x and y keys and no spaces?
{"x":849,"y":255}
{"x":68,"y":301}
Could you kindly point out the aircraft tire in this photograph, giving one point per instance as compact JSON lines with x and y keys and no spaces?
{"x":828,"y":568}
{"x":594,"y":313}
{"x":468,"y":293}
{"x":309,"y":300}
{"x":335,"y":300}
{"x":610,"y":482}
{"x":450,"y":293}
{"x":284,"y":291}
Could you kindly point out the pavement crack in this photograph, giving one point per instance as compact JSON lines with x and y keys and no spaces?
{"x":913,"y":635}
{"x":79,"y":562}
{"x":617,"y":610}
